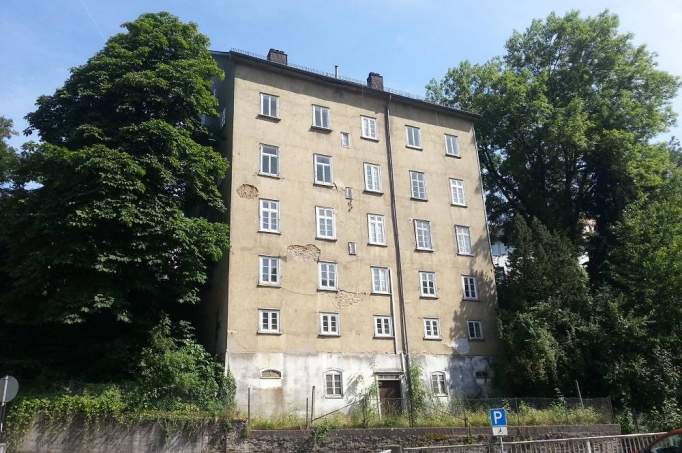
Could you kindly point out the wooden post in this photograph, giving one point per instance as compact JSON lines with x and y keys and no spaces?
{"x":312,"y":407}
{"x":248,"y":406}
{"x":307,"y":420}
{"x":580,"y":396}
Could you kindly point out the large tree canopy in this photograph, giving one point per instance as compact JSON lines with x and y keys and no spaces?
{"x":567,"y":116}
{"x":8,"y":156}
{"x":124,"y":221}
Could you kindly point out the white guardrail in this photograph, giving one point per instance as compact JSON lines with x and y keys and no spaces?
{"x":627,"y":443}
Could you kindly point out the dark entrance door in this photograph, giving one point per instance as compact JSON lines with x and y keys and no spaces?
{"x":390,"y":397}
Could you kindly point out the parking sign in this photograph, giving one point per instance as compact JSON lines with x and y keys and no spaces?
{"x":498,"y":421}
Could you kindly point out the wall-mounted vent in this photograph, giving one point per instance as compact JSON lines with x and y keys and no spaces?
{"x":352,"y":248}
{"x":348,"y":193}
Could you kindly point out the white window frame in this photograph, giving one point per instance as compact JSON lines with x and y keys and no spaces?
{"x":383,"y":326}
{"x":326,"y":318}
{"x":463,"y":236}
{"x":432,"y":329}
{"x":368,"y":127}
{"x":384,"y":279}
{"x":418,"y":185}
{"x":376,"y":229}
{"x":413,"y":133}
{"x":439,"y":385}
{"x":268,"y":313}
{"x":368,"y":170}
{"x":475,"y":323}
{"x":278,"y":277}
{"x":457,"y":193}
{"x":321,"y":213}
{"x":263,"y":97}
{"x":424,"y":226}
{"x":456,"y":152}
{"x":472,"y":279}
{"x":335,"y":375}
{"x":270,"y":213}
{"x":428,"y":277}
{"x":316,"y":162}
{"x":350,"y":141}
{"x":328,"y":117}
{"x":270,"y":158}
{"x":327,"y":267}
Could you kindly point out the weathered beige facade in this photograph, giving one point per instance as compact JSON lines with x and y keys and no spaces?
{"x":295,"y":353}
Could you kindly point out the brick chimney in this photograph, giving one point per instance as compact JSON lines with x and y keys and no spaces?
{"x":376,"y":81}
{"x":277,"y":56}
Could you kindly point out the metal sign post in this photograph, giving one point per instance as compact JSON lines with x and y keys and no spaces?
{"x":498,"y":422}
{"x":8,"y":390}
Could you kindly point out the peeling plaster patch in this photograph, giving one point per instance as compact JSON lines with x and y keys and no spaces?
{"x":247,"y":191}
{"x":309,"y":252}
{"x":348,"y":298}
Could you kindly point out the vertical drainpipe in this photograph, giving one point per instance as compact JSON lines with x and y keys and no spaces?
{"x":399,"y":272}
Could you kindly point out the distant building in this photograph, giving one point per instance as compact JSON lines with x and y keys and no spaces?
{"x":358,"y":241}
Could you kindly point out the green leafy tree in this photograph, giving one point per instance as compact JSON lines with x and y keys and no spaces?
{"x":127,"y":214}
{"x":544,"y":308}
{"x":567,"y":116}
{"x":8,"y":155}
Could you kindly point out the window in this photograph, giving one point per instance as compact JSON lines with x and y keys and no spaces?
{"x":417,"y":185}
{"x":422,"y":233}
{"x":431,"y":328}
{"x":269,"y":321}
{"x":372,"y":178}
{"x":271,"y":374}
{"x":329,"y":324}
{"x":383,"y":326}
{"x":463,"y":239}
{"x":323,"y":169}
{"x":352,"y":248}
{"x":327,"y":276}
{"x":438,"y":383}
{"x":414,"y":137}
{"x":457,"y":192}
{"x":427,"y":284}
{"x":470,"y":287}
{"x":269,"y":160}
{"x":321,"y":117}
{"x":333,"y":384}
{"x":380,"y":283}
{"x":269,"y":270}
{"x":345,"y":139}
{"x":369,"y":127}
{"x":375,"y":226}
{"x":475,"y":330}
{"x":269,"y":216}
{"x":451,"y":145}
{"x":326,"y":228}
{"x":269,"y":105}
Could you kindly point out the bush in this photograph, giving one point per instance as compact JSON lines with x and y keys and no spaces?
{"x":176,"y":372}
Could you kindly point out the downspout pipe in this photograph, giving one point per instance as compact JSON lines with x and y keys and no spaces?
{"x":399,"y":271}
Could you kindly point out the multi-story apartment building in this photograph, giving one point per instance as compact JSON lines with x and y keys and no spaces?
{"x":359,"y":242}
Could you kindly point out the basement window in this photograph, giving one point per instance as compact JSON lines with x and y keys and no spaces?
{"x":271,"y":374}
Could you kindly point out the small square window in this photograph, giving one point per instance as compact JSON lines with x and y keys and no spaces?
{"x":417,"y":185}
{"x":321,"y":117}
{"x":323,"y":169}
{"x":333,"y":387}
{"x":383,"y":326}
{"x":422,"y":233}
{"x":269,"y":160}
{"x":475,"y":330}
{"x":414,"y":137}
{"x":369,"y":127}
{"x":352,"y":248}
{"x":451,"y":145}
{"x":269,"y":321}
{"x":345,"y":140}
{"x":269,"y":271}
{"x":269,"y":105}
{"x":326,"y":223}
{"x":470,"y":287}
{"x":375,"y":227}
{"x":438,"y":386}
{"x":457,"y":192}
{"x":380,"y":280}
{"x":463,"y":239}
{"x":327,"y":274}
{"x":427,"y":284}
{"x":372,"y":178}
{"x":269,"y":216}
{"x":329,"y":324}
{"x":432,"y":328}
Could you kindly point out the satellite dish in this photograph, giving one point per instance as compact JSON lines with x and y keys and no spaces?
{"x":461,"y":345}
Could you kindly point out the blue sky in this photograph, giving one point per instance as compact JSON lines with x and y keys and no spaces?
{"x":408,"y":41}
